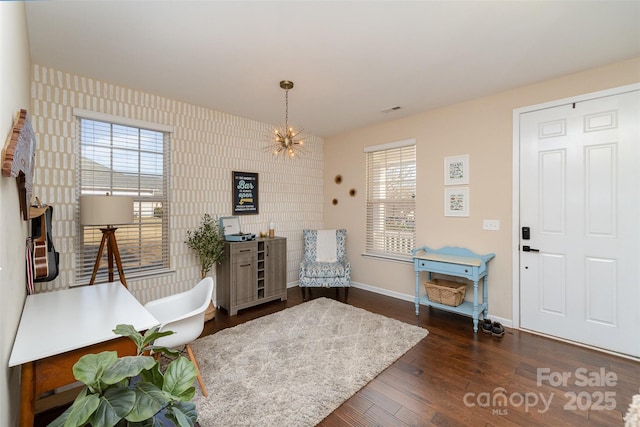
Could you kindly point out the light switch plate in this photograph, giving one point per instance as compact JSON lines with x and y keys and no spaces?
{"x":491,"y":224}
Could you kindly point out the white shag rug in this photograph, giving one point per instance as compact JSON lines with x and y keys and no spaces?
{"x":296,"y":366}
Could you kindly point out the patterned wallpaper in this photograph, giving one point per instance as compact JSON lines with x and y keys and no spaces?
{"x":206,"y":146}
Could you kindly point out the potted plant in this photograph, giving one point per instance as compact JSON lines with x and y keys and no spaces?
{"x":208,"y":243}
{"x":133,"y":390}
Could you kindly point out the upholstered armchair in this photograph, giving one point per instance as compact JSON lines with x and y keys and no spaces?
{"x":324,"y":262}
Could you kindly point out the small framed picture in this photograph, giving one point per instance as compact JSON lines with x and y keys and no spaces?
{"x":456,"y":201}
{"x":456,"y":170}
{"x":245,"y":193}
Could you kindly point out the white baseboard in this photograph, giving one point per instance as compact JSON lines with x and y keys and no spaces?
{"x":507,"y":323}
{"x":381,"y":291}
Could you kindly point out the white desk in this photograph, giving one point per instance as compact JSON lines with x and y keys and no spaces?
{"x":57,"y":328}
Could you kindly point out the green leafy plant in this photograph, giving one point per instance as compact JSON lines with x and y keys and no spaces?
{"x":208,"y":243}
{"x":133,"y":390}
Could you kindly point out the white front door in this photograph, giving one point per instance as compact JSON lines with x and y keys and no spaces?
{"x":580,"y":199}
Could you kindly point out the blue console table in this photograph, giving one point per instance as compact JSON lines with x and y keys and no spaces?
{"x":459,"y":262}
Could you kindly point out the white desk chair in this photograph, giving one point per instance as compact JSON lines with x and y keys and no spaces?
{"x":183,"y":314}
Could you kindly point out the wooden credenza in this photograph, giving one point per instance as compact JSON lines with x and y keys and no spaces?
{"x":252,"y":273}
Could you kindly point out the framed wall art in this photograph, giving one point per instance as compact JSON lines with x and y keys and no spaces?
{"x":456,"y":170}
{"x":456,"y":201}
{"x":245,"y":193}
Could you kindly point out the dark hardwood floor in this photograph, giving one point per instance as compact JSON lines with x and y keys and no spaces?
{"x":454,"y":377}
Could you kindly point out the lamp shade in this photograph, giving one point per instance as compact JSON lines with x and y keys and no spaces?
{"x":106,"y":210}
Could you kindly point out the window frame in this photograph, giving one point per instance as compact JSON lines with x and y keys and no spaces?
{"x":130,"y":237}
{"x":381,"y":234}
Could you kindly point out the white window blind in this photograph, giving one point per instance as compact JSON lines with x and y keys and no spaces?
{"x":122,"y":159}
{"x":391,"y":199}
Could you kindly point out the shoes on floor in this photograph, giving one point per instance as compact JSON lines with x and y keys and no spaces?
{"x":486,"y":326}
{"x":494,"y":328}
{"x":497,"y":330}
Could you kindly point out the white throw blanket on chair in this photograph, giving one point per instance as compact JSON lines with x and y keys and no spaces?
{"x":326,"y":247}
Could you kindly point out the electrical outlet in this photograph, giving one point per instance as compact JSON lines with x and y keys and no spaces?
{"x":491,"y":224}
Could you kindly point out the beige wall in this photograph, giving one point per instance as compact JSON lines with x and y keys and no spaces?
{"x":206,"y":146}
{"x":14,"y":87}
{"x":481,"y":128}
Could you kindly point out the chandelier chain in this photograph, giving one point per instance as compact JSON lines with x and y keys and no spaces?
{"x":286,"y":109}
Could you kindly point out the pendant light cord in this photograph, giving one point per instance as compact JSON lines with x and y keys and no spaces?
{"x":286,"y":109}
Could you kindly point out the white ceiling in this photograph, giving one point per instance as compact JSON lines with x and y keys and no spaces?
{"x":348,"y":59}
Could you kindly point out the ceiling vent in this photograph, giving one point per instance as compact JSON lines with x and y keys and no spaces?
{"x":390,"y":109}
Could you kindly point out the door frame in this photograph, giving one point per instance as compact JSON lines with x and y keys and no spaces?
{"x":515,"y":213}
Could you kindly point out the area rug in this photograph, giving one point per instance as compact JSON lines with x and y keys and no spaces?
{"x":296,"y":366}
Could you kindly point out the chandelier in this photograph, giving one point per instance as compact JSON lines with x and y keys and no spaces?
{"x":287,"y":142}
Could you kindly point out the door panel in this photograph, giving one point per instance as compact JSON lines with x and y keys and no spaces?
{"x":601,"y":188}
{"x":552,"y":194}
{"x":579,"y":194}
{"x":601,"y":289}
{"x":553,"y":289}
{"x":245,"y":273}
{"x":276,"y":259}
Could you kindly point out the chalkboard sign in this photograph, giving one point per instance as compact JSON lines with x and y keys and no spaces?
{"x":245,"y":193}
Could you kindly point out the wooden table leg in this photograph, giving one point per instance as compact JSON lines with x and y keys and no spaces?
{"x":476,"y":308}
{"x":27,"y":394}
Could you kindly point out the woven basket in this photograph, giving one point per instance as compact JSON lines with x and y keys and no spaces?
{"x":445,"y":291}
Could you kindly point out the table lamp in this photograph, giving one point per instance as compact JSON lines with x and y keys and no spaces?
{"x":106,"y":210}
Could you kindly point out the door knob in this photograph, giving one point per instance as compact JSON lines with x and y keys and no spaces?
{"x":529,"y":249}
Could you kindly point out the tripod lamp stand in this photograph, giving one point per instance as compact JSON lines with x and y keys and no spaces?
{"x":107,"y":211}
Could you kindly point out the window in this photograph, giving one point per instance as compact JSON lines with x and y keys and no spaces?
{"x":391,"y":198}
{"x":125,"y":159}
